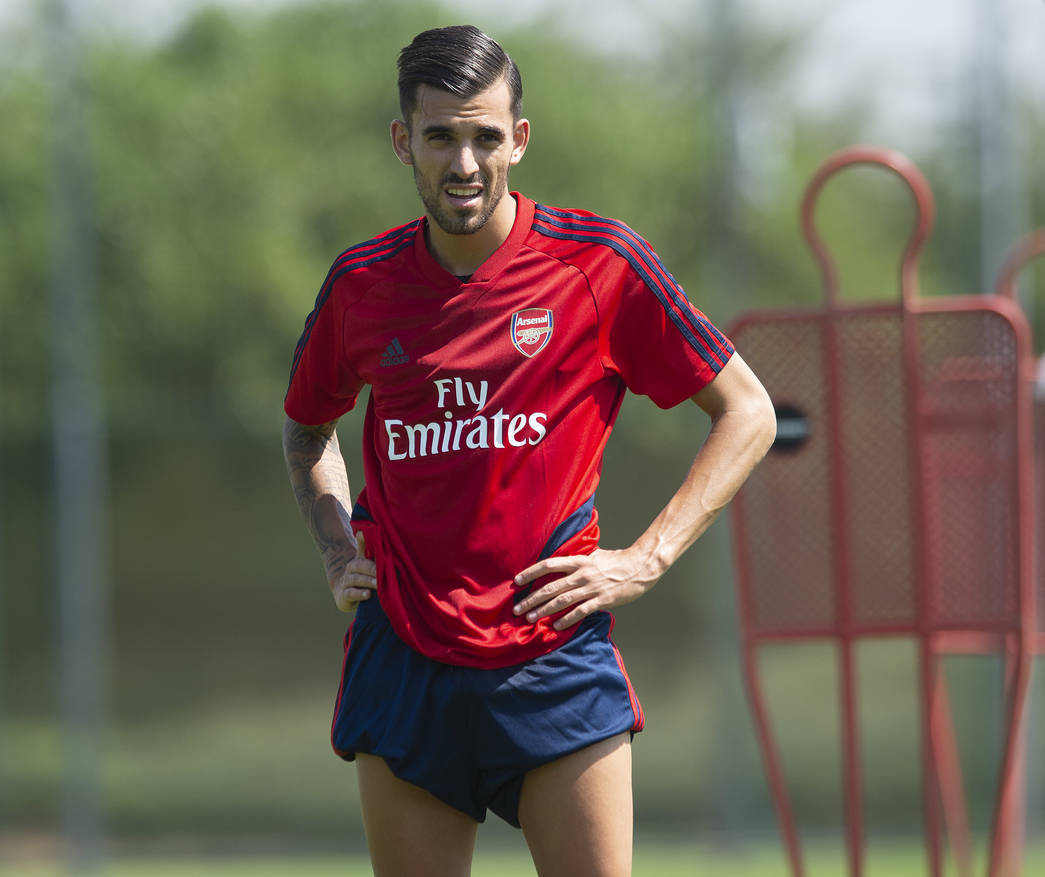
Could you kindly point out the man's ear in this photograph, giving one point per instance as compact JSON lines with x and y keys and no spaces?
{"x":520,"y":137}
{"x":401,"y":141}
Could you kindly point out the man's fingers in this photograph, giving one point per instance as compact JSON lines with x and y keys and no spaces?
{"x":545,"y":593}
{"x":346,"y":595}
{"x":350,"y":598}
{"x":358,"y":579}
{"x":577,"y":615}
{"x":543,"y":600}
{"x":354,"y":594}
{"x":360,"y":573}
{"x":549,"y":565}
{"x":586,"y":583}
{"x":361,"y":565}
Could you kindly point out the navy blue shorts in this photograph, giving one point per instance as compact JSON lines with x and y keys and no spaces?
{"x":469,"y":735}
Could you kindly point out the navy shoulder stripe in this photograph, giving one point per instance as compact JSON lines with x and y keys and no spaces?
{"x":700,"y":333}
{"x":375,"y":246}
{"x":360,"y":256}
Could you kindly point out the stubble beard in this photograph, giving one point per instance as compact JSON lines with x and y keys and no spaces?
{"x":448,"y":219}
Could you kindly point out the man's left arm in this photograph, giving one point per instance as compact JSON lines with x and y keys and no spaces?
{"x":743,"y":428}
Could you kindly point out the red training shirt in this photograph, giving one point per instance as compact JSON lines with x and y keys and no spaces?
{"x":491,"y":403}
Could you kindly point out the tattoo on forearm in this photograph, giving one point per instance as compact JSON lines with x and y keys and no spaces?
{"x":320,"y":481}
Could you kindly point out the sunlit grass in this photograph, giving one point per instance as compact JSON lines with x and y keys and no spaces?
{"x":652,"y":859}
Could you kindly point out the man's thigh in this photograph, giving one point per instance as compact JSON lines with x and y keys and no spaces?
{"x":408,"y":830}
{"x":576,"y":812}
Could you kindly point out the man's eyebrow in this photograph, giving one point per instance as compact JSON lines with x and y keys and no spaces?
{"x":428,"y":130}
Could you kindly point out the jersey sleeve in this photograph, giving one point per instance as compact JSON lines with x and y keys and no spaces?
{"x":323,"y":385}
{"x":652,"y":335}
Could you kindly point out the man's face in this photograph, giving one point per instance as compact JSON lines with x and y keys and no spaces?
{"x":461,"y":150}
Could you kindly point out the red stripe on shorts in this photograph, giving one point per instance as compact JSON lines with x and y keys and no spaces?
{"x":636,"y":707}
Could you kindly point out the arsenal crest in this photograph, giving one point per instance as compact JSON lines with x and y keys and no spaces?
{"x":531,"y":330}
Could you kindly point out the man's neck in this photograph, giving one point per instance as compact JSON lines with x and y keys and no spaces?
{"x":462,"y":254}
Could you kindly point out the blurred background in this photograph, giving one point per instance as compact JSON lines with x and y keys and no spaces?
{"x":176,"y":177}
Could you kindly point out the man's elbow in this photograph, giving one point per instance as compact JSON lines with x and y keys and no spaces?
{"x":760,"y":415}
{"x":767,"y":424}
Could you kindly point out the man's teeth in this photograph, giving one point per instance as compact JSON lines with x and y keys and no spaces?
{"x":461,"y":193}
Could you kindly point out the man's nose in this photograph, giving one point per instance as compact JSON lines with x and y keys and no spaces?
{"x":464,"y":163}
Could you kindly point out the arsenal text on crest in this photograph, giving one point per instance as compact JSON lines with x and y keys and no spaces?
{"x":531,"y":330}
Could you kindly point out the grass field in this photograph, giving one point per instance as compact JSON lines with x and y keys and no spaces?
{"x":652,"y":859}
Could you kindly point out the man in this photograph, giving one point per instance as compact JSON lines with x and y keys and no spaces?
{"x":498,"y":337}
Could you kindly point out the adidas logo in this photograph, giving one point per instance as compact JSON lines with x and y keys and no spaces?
{"x":394,"y":355}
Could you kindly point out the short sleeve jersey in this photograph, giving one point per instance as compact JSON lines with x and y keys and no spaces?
{"x":491,"y":401}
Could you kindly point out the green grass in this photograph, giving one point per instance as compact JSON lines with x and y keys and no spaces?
{"x":669,"y":862}
{"x":652,"y":859}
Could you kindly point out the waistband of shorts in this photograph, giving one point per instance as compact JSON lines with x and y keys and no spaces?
{"x":599,"y":624}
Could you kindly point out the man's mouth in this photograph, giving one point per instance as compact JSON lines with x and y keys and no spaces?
{"x":462,"y":196}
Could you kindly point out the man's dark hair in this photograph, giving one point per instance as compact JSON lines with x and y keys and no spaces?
{"x":461,"y":60}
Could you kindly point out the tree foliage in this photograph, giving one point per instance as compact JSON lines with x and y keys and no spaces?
{"x":234,"y":160}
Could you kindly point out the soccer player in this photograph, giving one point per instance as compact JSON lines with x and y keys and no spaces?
{"x":498,"y":337}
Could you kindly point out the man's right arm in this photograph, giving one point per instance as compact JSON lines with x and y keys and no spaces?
{"x":320,"y":481}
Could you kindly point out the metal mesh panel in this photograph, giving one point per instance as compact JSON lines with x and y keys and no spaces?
{"x":786,"y":503}
{"x":818,"y":543}
{"x":873,"y":424}
{"x":970,"y":384}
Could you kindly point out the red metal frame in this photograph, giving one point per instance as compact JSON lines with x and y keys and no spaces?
{"x":1025,"y":250}
{"x":934,"y":634}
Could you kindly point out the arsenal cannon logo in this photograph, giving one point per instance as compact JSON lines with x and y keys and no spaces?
{"x":531,"y":330}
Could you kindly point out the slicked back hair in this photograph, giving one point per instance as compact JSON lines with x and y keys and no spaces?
{"x":461,"y":60}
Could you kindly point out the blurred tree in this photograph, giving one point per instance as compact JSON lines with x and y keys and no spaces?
{"x":236,"y":159}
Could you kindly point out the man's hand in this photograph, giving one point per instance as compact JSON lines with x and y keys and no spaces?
{"x":589,"y":582}
{"x":357,"y":580}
